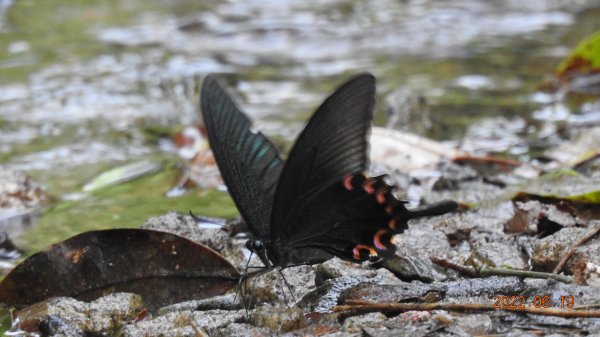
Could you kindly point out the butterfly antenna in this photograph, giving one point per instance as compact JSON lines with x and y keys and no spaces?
{"x":195,"y":217}
{"x":198,"y":219}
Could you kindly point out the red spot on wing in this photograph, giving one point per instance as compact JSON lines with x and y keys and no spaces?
{"x":381,"y":196}
{"x":362,"y":252}
{"x":368,"y":186}
{"x":389,"y":209}
{"x":377,"y":239}
{"x":347,"y":182}
{"x":393,"y":223}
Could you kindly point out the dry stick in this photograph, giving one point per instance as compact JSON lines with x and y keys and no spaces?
{"x":363,"y":307}
{"x":587,"y":306}
{"x":524,"y":273}
{"x":487,"y":160}
{"x":463,"y":270}
{"x":574,"y":247}
{"x":472,"y":272}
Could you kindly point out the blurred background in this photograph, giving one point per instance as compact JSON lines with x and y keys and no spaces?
{"x":87,"y":86}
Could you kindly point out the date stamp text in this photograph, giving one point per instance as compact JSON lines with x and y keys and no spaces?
{"x":538,"y":301}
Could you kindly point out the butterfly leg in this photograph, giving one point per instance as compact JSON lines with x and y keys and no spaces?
{"x":287,"y":285}
{"x":281,"y":286}
{"x":242,"y":285}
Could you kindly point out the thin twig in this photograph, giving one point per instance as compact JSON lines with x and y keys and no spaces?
{"x":487,"y":160}
{"x":485,"y":272}
{"x":587,"y":306}
{"x":402,"y":307}
{"x":574,"y":247}
{"x":463,"y":270}
{"x":524,"y":273}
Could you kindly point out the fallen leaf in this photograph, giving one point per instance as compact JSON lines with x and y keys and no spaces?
{"x":122,"y":174}
{"x":407,"y":152}
{"x":562,"y":185}
{"x":584,"y":59}
{"x":580,"y":70}
{"x":161,"y":267}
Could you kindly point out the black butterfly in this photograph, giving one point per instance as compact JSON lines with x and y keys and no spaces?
{"x":319,"y":203}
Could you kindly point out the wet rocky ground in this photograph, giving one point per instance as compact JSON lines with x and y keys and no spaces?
{"x":302,"y":300}
{"x":517,"y":223}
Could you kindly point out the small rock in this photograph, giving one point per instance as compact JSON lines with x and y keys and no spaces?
{"x":498,"y":251}
{"x":343,"y":334}
{"x":283,"y":287}
{"x":334,"y":277}
{"x":475,"y":324}
{"x":550,"y":250}
{"x":241,"y":329}
{"x":336,"y":267}
{"x":278,"y":318}
{"x":184,"y":323}
{"x":184,"y":225}
{"x":410,"y":268}
{"x":105,"y":315}
{"x":327,"y":295}
{"x":467,"y":289}
{"x":400,"y":329}
{"x":231,"y":301}
{"x":591,"y":275}
{"x":173,"y":324}
{"x":212,"y":320}
{"x":415,"y":246}
{"x":533,"y":217}
{"x":57,"y":326}
{"x":356,"y":323}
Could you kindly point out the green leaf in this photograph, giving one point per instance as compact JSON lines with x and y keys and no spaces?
{"x":584,"y":59}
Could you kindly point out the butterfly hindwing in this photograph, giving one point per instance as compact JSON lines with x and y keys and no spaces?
{"x":249,"y":163}
{"x":337,"y":221}
{"x":355,"y":219}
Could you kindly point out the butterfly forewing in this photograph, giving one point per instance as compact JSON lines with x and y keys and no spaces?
{"x":332,"y":145}
{"x":248,"y":161}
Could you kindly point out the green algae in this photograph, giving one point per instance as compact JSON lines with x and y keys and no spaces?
{"x":126,"y":205}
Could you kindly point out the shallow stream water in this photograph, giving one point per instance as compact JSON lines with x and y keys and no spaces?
{"x":87,"y":86}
